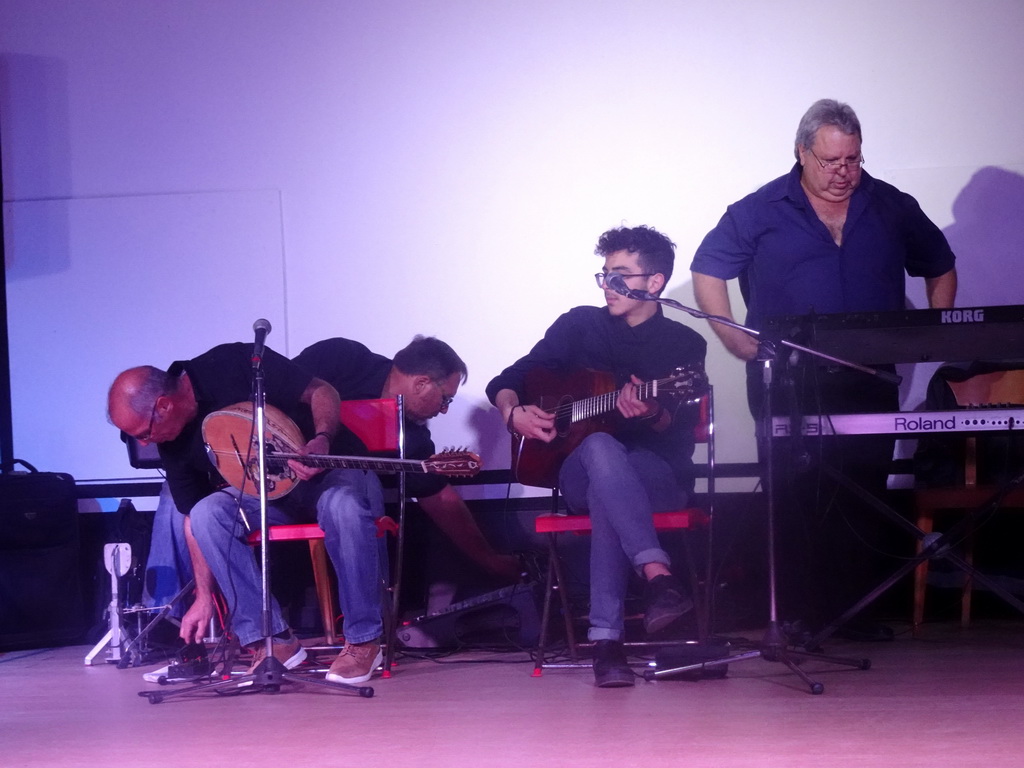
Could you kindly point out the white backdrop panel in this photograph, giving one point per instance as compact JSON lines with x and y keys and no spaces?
{"x":102,"y":281}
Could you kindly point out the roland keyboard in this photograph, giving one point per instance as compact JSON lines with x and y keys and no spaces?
{"x":906,"y":423}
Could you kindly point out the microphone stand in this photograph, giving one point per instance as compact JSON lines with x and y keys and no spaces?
{"x":773,"y":645}
{"x":270,"y":673}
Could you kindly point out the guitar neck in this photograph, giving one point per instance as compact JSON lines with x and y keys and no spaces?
{"x":371,"y":463}
{"x":589,"y":407}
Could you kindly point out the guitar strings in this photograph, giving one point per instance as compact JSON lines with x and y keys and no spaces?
{"x":592,"y":406}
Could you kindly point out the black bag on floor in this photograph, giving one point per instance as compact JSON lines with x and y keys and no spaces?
{"x":40,"y":580}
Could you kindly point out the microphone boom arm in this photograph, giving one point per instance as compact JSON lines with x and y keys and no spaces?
{"x":885,"y":376}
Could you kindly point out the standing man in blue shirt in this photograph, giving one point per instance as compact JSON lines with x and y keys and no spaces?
{"x":826,"y":238}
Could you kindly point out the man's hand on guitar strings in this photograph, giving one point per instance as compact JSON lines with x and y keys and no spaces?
{"x":319,"y":445}
{"x":533,"y":422}
{"x":630,"y":405}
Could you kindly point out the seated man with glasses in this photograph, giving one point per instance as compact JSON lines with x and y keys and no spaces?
{"x":168,"y":408}
{"x":646,"y":466}
{"x":427,"y":373}
{"x":825,"y":238}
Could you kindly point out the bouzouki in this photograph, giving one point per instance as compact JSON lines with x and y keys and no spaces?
{"x":579,"y":412}
{"x":230,"y":438}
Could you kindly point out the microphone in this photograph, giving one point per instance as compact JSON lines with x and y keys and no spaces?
{"x":261,"y":327}
{"x":617,"y":283}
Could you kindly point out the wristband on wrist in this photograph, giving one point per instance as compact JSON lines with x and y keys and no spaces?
{"x":508,"y":424}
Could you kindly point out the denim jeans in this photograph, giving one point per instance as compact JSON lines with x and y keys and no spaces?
{"x":620,"y":488}
{"x":346,"y":503}
{"x":169,"y":565}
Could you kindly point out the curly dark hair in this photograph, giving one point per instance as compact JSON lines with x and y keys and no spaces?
{"x":655,"y":251}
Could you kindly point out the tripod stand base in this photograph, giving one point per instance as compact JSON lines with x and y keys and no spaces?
{"x":772,"y":648}
{"x":268,"y":677}
{"x":116,"y":639}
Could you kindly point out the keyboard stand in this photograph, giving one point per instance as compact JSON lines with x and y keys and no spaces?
{"x":933,"y":546}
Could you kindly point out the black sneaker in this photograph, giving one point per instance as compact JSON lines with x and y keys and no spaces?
{"x":611,"y":670}
{"x":665,"y":600}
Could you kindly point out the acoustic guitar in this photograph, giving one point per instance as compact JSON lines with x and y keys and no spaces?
{"x":579,"y":412}
{"x":231,"y":443}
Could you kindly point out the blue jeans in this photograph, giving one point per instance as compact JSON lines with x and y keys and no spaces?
{"x":621,"y":489}
{"x":169,"y":566}
{"x":345,"y":503}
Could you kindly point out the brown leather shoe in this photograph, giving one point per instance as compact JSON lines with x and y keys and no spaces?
{"x":356,"y":663}
{"x":289,"y":652}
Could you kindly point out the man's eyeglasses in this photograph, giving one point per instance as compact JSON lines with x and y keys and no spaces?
{"x":146,"y":436}
{"x":602,"y":277}
{"x":833,"y":166}
{"x":446,"y":400}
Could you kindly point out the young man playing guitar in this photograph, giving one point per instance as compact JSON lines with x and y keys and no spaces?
{"x":620,"y":479}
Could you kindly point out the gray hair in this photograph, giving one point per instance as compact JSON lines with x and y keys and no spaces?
{"x":139,"y":388}
{"x":155,"y":383}
{"x":825,"y":112}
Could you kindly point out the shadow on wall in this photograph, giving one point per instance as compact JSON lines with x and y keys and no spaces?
{"x":34,"y":100}
{"x":987,"y":236}
{"x":493,"y":440}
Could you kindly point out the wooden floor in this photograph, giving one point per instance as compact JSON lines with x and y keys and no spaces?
{"x":953,"y":698}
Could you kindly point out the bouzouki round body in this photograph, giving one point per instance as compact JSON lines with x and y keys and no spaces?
{"x":230,"y":437}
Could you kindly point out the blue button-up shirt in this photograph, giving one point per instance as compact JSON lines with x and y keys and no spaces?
{"x":788,"y":263}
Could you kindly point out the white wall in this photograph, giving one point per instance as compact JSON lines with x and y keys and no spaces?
{"x":443,"y":168}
